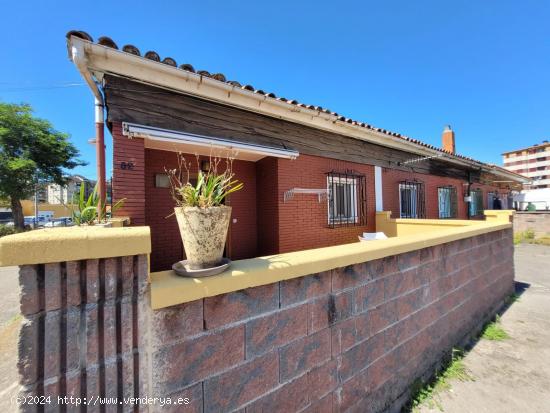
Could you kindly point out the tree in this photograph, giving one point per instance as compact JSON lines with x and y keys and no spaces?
{"x":31,"y":152}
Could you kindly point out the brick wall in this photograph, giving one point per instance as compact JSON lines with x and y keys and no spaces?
{"x":349,"y":339}
{"x":262,"y":223}
{"x":159,"y":207}
{"x":81,"y":334}
{"x":303,"y":221}
{"x":129,"y":183}
{"x":267,"y":192}
{"x":536,"y":221}
{"x":390,"y":183}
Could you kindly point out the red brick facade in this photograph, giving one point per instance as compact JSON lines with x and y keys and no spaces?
{"x":303,"y":221}
{"x":129,"y":175}
{"x":352,"y":339}
{"x":392,"y":177}
{"x":262,"y":223}
{"x":159,"y":207}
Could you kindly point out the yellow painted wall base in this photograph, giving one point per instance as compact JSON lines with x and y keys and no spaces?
{"x":58,"y":210}
{"x":397,"y":227}
{"x":73,"y":243}
{"x":168,"y":289}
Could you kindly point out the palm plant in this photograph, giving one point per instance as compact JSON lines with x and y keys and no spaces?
{"x":86,"y":211}
{"x":212,"y":186}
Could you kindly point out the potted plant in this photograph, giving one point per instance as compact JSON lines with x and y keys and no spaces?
{"x":202,"y":217}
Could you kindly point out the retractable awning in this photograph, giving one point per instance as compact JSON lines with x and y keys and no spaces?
{"x":169,"y":140}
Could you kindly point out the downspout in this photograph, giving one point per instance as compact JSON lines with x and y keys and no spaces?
{"x":78,"y":56}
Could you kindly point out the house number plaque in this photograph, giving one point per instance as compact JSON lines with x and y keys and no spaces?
{"x":127,"y":165}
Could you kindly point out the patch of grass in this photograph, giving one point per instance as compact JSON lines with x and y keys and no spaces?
{"x":512,"y":298}
{"x":542,"y":241}
{"x":428,"y":394}
{"x":530,"y":237}
{"x":494,"y":331}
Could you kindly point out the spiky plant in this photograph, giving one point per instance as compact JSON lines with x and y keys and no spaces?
{"x":211,"y":188}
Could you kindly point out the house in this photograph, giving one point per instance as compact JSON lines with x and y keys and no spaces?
{"x":312,"y":177}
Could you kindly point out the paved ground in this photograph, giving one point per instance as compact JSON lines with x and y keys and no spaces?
{"x":9,"y":328}
{"x":512,"y":375}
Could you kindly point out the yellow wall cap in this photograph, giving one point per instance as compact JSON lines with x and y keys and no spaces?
{"x":168,"y":289}
{"x":73,"y":243}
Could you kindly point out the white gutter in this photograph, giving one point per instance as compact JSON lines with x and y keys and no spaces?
{"x":107,"y":60}
{"x":147,"y":132}
{"x":78,"y":55}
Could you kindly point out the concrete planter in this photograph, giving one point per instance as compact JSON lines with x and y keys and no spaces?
{"x":203,"y":231}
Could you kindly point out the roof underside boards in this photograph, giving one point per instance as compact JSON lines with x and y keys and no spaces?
{"x":130,"y":101}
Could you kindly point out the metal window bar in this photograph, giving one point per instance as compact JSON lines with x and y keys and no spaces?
{"x":411,"y":198}
{"x":347,"y":199}
{"x":448,"y":202}
{"x":476,"y":205}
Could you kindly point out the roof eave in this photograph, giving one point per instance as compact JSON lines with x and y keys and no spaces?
{"x":102,"y":59}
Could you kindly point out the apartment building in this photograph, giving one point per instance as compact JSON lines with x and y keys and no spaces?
{"x":532,"y":162}
{"x":64,"y":194}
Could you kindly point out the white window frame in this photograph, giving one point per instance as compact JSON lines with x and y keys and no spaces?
{"x":353,"y":183}
{"x":412,"y":189}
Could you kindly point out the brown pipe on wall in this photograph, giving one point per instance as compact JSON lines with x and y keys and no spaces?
{"x":100,"y":155}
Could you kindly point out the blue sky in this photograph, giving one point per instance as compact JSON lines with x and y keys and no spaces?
{"x":410,"y":67}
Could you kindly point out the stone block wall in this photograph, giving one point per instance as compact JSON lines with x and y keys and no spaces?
{"x":80,"y":334}
{"x":538,"y":221}
{"x":352,"y":339}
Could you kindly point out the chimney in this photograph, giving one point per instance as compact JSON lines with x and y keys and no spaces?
{"x":448,"y":139}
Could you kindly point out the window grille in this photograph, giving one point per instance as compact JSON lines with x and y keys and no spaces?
{"x":448,"y":202}
{"x":411,"y":199}
{"x":476,"y":204}
{"x":347,"y":199}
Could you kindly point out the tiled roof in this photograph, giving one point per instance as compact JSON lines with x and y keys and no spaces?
{"x":152,"y":55}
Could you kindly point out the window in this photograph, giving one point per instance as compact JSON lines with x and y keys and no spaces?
{"x":490,"y":200}
{"x":346,"y":199}
{"x":162,"y":181}
{"x":448,"y":202}
{"x":476,"y":205}
{"x":411,"y":200}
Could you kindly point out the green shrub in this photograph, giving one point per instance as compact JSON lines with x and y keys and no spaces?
{"x":529,"y":234}
{"x":6,"y":230}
